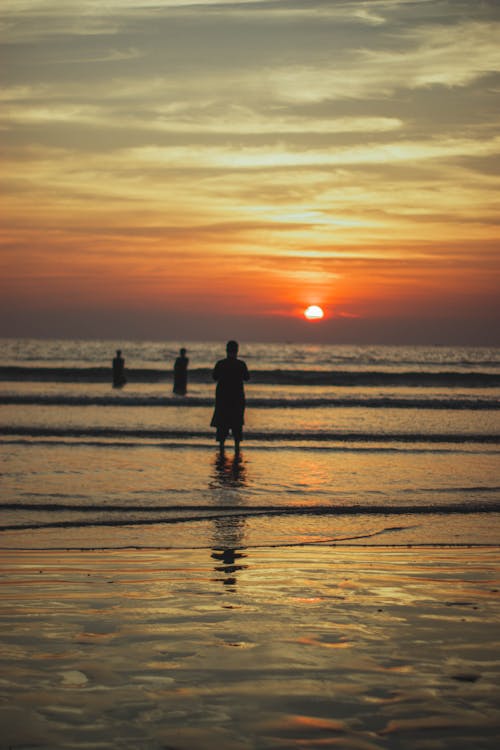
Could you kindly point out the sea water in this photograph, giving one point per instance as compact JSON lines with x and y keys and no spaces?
{"x":342,"y":445}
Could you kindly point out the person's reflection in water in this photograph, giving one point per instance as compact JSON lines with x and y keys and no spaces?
{"x":228,"y":478}
{"x":230,"y":473}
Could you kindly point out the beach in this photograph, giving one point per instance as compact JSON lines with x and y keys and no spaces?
{"x":333,"y":585}
{"x":266,"y":648}
{"x":250,"y":375}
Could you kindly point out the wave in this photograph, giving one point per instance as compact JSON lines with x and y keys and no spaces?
{"x":417,"y":378}
{"x":197,"y":514}
{"x":474,"y":404}
{"x":387,"y":448}
{"x":281,"y":436}
{"x":267,"y":509}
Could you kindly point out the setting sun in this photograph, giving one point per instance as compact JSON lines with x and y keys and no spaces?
{"x":313,"y":312}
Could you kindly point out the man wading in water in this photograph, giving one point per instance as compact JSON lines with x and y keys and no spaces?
{"x":229,"y":396}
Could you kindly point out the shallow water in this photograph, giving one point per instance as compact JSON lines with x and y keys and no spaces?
{"x":368,"y":461}
{"x":165,"y":495}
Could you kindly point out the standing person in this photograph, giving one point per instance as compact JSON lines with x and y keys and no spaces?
{"x":119,"y":378}
{"x":180,"y":373}
{"x":229,"y":396}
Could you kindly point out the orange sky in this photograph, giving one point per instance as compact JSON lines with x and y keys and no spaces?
{"x":173,"y":170}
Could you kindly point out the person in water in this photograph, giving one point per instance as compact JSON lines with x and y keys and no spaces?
{"x":119,"y":378}
{"x":230,"y":374}
{"x":180,"y":373}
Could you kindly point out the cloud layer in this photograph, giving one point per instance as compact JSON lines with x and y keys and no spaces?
{"x":252,"y":157}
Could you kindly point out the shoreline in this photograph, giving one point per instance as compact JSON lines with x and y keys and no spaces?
{"x":402,"y":547}
{"x":251,"y":648}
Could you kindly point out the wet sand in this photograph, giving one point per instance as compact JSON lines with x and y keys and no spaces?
{"x":299,"y":647}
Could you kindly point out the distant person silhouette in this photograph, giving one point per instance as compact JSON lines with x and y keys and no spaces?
{"x":119,"y":378}
{"x":230,"y":373}
{"x":180,"y":373}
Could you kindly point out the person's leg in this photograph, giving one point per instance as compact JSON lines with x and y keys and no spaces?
{"x":237,"y":435}
{"x":221,"y":438}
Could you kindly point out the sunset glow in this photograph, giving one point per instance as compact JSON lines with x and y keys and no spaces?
{"x":198,"y":170}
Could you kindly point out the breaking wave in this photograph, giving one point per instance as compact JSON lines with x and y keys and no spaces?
{"x":416,"y":378}
{"x":389,"y":402}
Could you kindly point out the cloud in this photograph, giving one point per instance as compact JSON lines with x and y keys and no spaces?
{"x":281,"y":157}
{"x":25,"y":105}
{"x":429,"y":56}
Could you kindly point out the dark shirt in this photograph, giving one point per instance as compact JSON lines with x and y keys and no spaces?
{"x":180,"y":374}
{"x":230,"y":374}
{"x":119,"y":371}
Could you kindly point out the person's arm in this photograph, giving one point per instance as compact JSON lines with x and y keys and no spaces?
{"x":246,"y":374}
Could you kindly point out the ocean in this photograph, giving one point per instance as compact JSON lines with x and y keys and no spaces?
{"x":343,"y":445}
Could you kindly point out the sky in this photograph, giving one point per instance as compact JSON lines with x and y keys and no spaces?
{"x":179,"y":170}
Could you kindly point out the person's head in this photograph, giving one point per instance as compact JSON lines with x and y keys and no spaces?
{"x":118,"y":352}
{"x":232,"y":348}
{"x":183,"y":352}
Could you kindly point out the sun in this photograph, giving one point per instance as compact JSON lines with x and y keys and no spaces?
{"x":313,"y":312}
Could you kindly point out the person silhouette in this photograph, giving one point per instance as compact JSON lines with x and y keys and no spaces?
{"x":180,"y":373}
{"x":119,"y":378}
{"x":228,"y":416}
